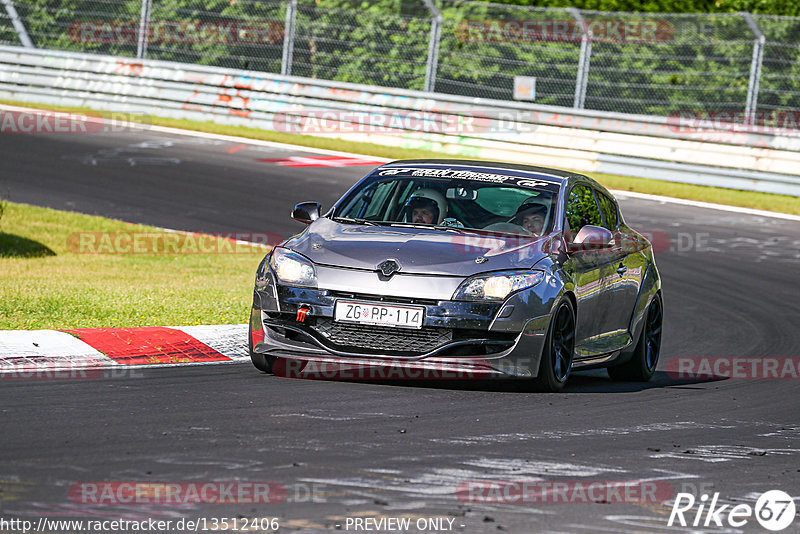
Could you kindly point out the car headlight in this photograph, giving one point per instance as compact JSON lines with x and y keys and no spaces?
{"x":292,"y":269}
{"x":496,"y":286}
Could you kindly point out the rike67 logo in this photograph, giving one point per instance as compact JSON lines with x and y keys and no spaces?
{"x":774,"y":510}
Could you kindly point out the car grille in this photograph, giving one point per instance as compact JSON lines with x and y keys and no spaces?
{"x":383,"y":339}
{"x":382,"y":298}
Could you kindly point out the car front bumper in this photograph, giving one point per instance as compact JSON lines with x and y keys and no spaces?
{"x":462,"y":339}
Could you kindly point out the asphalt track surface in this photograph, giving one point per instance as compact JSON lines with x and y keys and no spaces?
{"x":400,"y":449}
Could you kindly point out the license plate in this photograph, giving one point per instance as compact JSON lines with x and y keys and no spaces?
{"x":378,"y":314}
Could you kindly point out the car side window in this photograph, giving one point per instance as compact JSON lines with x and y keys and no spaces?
{"x":582,"y":209}
{"x":609,"y":209}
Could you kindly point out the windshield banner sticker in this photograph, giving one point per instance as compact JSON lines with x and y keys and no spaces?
{"x":464,"y":175}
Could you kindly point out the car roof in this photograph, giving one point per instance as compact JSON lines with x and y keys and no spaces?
{"x":562,"y":176}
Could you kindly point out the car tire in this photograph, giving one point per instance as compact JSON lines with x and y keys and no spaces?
{"x":642,"y":365}
{"x":559,"y":349}
{"x":262,"y":362}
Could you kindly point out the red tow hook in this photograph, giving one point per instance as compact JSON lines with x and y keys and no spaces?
{"x":302,"y":311}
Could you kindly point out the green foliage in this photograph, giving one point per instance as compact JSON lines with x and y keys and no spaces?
{"x":765,"y":7}
{"x":582,"y":209}
{"x":698,"y":62}
{"x":366,"y":43}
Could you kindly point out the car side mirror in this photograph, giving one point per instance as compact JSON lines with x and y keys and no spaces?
{"x":306,"y":212}
{"x":592,"y":237}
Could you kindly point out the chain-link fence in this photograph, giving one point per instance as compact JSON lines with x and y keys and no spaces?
{"x":652,"y":63}
{"x":484,"y":46}
{"x":779,"y":87}
{"x":372,"y":45}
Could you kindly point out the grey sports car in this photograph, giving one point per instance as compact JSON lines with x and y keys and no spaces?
{"x":488,"y":269}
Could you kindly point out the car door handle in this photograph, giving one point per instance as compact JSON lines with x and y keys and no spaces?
{"x":621,"y":270}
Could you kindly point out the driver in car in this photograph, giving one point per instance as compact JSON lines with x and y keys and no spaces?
{"x":531,"y":216}
{"x":427,"y":206}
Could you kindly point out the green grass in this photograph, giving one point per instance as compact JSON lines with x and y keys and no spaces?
{"x":732,"y":197}
{"x":53,"y":280}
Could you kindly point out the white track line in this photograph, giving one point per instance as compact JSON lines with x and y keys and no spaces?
{"x":206,"y":135}
{"x":631,"y":194}
{"x":706,"y":205}
{"x":287,"y":146}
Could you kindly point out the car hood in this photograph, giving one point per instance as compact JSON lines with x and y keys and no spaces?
{"x":417,"y":250}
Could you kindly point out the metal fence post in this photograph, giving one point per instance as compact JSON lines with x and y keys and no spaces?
{"x":144,"y":29}
{"x":433,"y":46}
{"x":288,"y":38}
{"x":582,"y":79}
{"x":755,"y":68}
{"x":22,"y":33}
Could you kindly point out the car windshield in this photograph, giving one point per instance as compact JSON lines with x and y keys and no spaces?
{"x":515,"y":206}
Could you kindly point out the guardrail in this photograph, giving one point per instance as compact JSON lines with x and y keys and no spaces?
{"x":664,"y":148}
